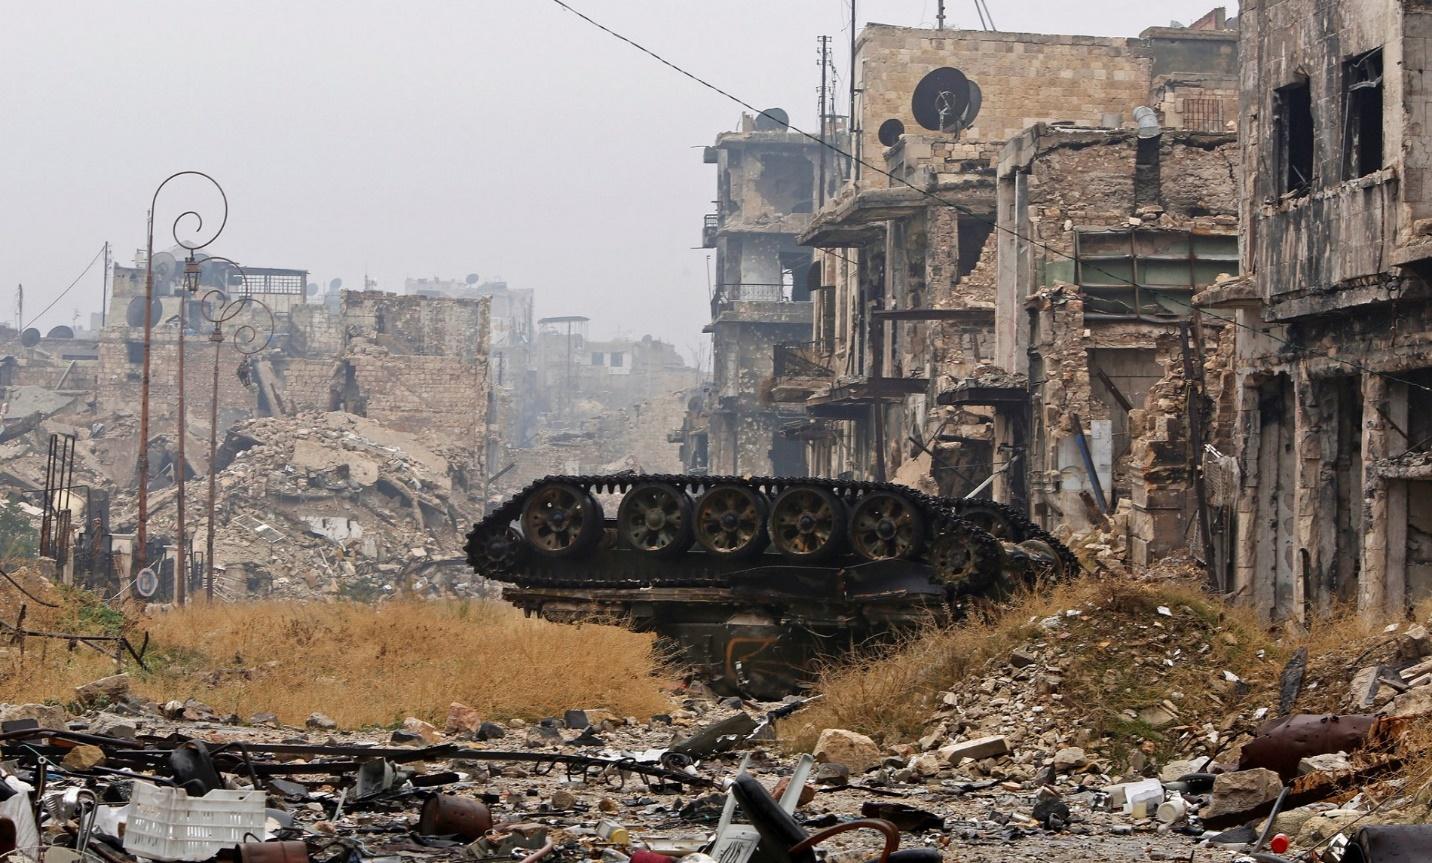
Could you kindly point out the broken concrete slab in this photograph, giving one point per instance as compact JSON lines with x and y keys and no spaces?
{"x":854,"y":750}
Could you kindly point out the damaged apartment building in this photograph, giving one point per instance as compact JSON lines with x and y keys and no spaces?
{"x":768,"y":179}
{"x":1333,"y":392}
{"x":931,"y":269}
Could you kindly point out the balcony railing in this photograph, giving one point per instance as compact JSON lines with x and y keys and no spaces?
{"x":802,"y":360}
{"x":709,"y":226}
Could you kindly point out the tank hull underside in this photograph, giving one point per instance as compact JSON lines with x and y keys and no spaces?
{"x":754,"y":621}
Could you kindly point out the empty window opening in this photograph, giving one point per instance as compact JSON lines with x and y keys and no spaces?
{"x":134,"y":352}
{"x":1293,"y":115}
{"x":616,"y":359}
{"x":1362,"y":124}
{"x":787,"y":183}
{"x":596,"y":359}
{"x":972,"y":234}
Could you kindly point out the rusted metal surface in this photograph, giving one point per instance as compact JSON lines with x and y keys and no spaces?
{"x":1282,"y":745}
{"x":446,"y":815}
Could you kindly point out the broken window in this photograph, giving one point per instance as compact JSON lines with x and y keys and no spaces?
{"x":1137,"y":272}
{"x":1362,"y":121}
{"x":596,"y":359}
{"x":616,"y":359}
{"x":1293,"y":121}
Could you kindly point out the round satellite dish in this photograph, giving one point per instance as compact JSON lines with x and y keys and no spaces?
{"x":890,"y":132}
{"x":60,"y":332}
{"x":973,"y":109}
{"x":30,"y":337}
{"x":165,"y":266}
{"x":471,"y":278}
{"x":940,"y":99}
{"x":773,"y":120}
{"x":146,"y":582}
{"x":335,"y":284}
{"x":134,"y":312}
{"x":311,"y":289}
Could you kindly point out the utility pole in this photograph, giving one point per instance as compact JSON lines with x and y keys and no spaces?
{"x":142,"y":534}
{"x":19,"y":308}
{"x":824,"y":114}
{"x":853,"y":129}
{"x":104,"y":287}
{"x":940,"y":16}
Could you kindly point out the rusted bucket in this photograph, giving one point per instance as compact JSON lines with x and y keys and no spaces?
{"x":273,"y":852}
{"x":447,"y":815}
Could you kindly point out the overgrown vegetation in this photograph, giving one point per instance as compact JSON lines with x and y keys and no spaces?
{"x":360,"y":664}
{"x":1117,"y":649}
{"x":18,"y":538}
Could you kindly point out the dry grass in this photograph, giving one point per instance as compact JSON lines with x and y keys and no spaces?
{"x":360,"y":664}
{"x":892,"y":696}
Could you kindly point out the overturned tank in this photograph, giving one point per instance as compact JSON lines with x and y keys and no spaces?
{"x":753,"y":581}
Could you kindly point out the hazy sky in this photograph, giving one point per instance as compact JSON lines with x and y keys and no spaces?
{"x":419,"y":138}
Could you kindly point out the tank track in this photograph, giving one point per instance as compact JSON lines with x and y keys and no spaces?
{"x":949,"y":534}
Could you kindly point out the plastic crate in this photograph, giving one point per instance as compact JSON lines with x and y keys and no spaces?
{"x":167,"y":824}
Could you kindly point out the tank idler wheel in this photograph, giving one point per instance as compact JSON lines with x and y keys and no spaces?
{"x":561,"y":520}
{"x":989,"y":517}
{"x":808,"y":523}
{"x":730,"y":521}
{"x":655,"y":518}
{"x":497,"y":551}
{"x":884,"y":525}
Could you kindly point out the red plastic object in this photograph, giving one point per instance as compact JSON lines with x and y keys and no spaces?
{"x":1279,"y":844}
{"x":645,"y":856}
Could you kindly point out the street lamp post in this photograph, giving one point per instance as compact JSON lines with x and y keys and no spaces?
{"x":142,"y":533}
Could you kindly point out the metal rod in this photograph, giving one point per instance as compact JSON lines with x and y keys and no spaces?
{"x":1001,"y":469}
{"x":217,"y":337}
{"x":1088,"y":458}
{"x":181,"y":564}
{"x":854,"y":129}
{"x":141,"y":555}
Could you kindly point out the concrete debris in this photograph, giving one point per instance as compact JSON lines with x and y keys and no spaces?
{"x":839,"y":746}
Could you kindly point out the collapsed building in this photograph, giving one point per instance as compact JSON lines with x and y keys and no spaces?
{"x":910,"y":260}
{"x":1333,"y":389}
{"x":768,"y":182}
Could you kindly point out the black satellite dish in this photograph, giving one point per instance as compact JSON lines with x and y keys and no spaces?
{"x":134,"y":312}
{"x":60,"y":332}
{"x":941,"y":99}
{"x":890,"y":132}
{"x":472,"y":278}
{"x":773,"y":120}
{"x":30,"y":337}
{"x":973,"y":109}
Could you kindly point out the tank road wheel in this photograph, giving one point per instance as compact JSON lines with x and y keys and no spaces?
{"x":1045,"y":562}
{"x":991,"y":518}
{"x":807,"y":523}
{"x":655,"y":518}
{"x":884,"y":525}
{"x":965,"y":557}
{"x":561,"y":520}
{"x":496,"y":551}
{"x":731,"y":521}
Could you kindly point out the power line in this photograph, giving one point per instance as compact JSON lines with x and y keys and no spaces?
{"x":855,"y":160}
{"x":66,"y":290}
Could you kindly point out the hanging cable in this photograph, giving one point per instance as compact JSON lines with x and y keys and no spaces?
{"x":66,"y":290}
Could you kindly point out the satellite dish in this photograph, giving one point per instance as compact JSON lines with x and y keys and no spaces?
{"x":890,"y":132}
{"x":30,"y":337}
{"x":134,"y":312}
{"x":973,"y":109}
{"x":335,"y":284}
{"x":941,"y":99}
{"x":146,"y":582}
{"x":60,"y":332}
{"x":472,"y":278}
{"x":311,"y":289}
{"x":165,"y":267}
{"x":773,"y":120}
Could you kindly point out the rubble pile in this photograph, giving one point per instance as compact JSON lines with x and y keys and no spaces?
{"x":1117,"y":718}
{"x":331,"y":504}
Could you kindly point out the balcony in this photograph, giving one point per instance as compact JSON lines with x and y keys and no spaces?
{"x":709,"y":226}
{"x":799,"y":370}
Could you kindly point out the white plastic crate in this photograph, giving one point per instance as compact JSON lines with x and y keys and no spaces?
{"x":166,"y":824}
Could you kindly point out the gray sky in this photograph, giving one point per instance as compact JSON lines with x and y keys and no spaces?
{"x":419,"y":138}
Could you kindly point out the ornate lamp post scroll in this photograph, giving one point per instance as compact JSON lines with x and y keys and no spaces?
{"x":181,"y":570}
{"x":248,"y":338}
